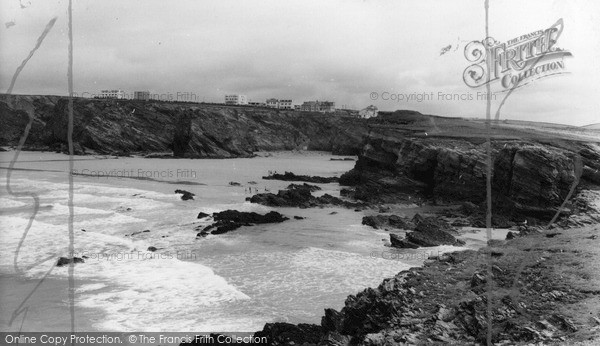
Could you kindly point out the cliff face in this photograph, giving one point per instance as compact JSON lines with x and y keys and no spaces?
{"x":532,"y":174}
{"x":187,"y":130}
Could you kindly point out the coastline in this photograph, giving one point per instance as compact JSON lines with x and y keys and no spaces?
{"x":545,"y":290}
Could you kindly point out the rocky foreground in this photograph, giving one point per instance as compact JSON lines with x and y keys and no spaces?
{"x":542,"y":288}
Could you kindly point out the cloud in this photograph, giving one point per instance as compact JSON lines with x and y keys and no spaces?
{"x":303,"y":50}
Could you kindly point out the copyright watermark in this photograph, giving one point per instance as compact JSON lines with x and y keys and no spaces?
{"x":139,"y":173}
{"x":424,"y":96}
{"x":135,"y":255}
{"x":399,"y":256}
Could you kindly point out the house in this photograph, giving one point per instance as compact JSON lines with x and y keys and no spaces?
{"x":285,"y":104}
{"x":369,"y":112}
{"x":272,"y":103}
{"x":318,"y":106}
{"x":257,"y":104}
{"x":112,"y":94}
{"x":236,"y":100}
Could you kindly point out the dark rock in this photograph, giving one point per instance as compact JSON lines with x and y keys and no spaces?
{"x":63,"y":261}
{"x":202,"y":215}
{"x":185,"y":195}
{"x":551,"y":235}
{"x":234,"y":183}
{"x":289,"y":334}
{"x":299,"y":196}
{"x":289,"y":176}
{"x":227,"y":226}
{"x":311,"y":188}
{"x":432,"y":238}
{"x":469,"y":208}
{"x":229,"y":220}
{"x":461,"y":223}
{"x":189,"y":130}
{"x":399,"y":242}
{"x":249,"y":217}
{"x":383,"y":221}
{"x":530,"y":177}
{"x":331,"y":321}
{"x":431,"y":231}
{"x":427,"y":224}
{"x":341,"y":159}
{"x":346,"y":192}
{"x":298,"y":218}
{"x":564,"y":323}
{"x":478,"y":279}
{"x":152,"y":249}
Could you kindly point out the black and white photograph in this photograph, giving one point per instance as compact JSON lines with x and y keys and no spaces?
{"x":333,"y":173}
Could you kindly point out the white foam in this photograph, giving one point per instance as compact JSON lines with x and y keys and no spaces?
{"x":10,"y":202}
{"x":145,"y":289}
{"x":90,"y":287}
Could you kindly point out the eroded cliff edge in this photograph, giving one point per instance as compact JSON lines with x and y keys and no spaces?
{"x":410,"y":157}
{"x":184,"y":129}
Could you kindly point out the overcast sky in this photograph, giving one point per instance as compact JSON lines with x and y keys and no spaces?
{"x":341,"y":51}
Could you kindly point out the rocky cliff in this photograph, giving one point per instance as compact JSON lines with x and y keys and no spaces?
{"x":184,"y":129}
{"x":407,"y":155}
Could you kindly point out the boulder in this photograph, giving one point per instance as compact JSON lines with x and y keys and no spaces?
{"x":63,"y":261}
{"x":383,"y":221}
{"x":229,"y":220}
{"x":202,"y":215}
{"x":289,"y":334}
{"x":299,"y":196}
{"x":185,"y":195}
{"x":311,"y":188}
{"x":399,"y":242}
{"x":289,"y":176}
{"x":249,"y":217}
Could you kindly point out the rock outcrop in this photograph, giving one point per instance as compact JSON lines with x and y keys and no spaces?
{"x":64,"y":261}
{"x":384,"y":221}
{"x":185,"y":195}
{"x":289,"y":176}
{"x":445,"y":301}
{"x":229,"y":220}
{"x":300,"y":196}
{"x":532,"y":172}
{"x":183,"y":129}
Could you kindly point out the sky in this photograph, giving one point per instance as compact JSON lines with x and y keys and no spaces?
{"x":353,"y":52}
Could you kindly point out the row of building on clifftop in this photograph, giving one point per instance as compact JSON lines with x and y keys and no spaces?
{"x":307,"y":106}
{"x":237,"y":99}
{"x":120,"y":95}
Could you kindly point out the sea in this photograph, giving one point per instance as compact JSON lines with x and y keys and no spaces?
{"x":233,"y":282}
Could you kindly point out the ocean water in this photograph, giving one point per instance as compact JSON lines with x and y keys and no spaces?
{"x":236,"y":281}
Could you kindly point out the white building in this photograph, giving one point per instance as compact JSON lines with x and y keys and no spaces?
{"x":236,"y":100}
{"x":279,"y":104}
{"x":272,"y":103}
{"x":285,"y":104}
{"x":368,"y":112}
{"x":112,"y":94}
{"x":318,"y":106}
